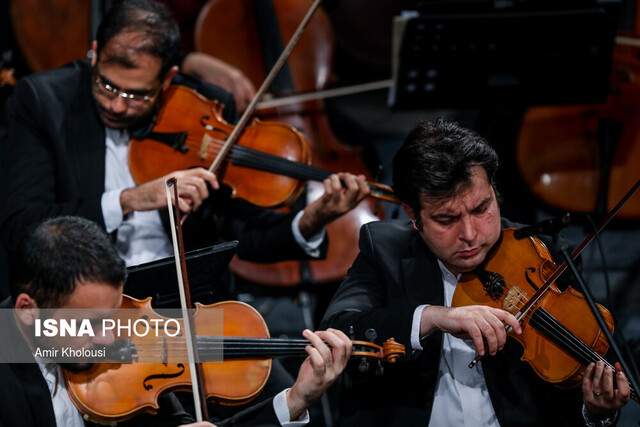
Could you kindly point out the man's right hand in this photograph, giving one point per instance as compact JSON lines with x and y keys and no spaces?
{"x":192,"y":191}
{"x":477,"y":322}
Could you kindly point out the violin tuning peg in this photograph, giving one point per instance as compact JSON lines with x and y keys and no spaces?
{"x":371,"y":335}
{"x":378,"y":172}
{"x":363,"y":366}
{"x":352,"y":334}
{"x":379,"y":369}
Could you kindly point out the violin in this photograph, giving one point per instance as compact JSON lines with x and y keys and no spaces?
{"x":267,"y":166}
{"x":231,"y":333}
{"x":560,"y":335}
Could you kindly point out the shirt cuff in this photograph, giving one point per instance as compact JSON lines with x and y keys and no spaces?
{"x":111,"y":209}
{"x":282,"y":411}
{"x":415,"y":327}
{"x":311,"y":246}
{"x":600,"y":423}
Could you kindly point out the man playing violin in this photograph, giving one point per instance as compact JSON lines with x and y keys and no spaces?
{"x":402,"y":284}
{"x":70,"y":263}
{"x":66,"y":154}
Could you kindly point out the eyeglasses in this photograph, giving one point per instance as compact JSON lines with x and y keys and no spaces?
{"x":110,"y":91}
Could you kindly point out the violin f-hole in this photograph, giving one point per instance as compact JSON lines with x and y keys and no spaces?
{"x":526,"y":274}
{"x":158,"y":376}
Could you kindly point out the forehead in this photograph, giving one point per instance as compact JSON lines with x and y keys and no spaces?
{"x":94,"y":295}
{"x":467,"y":197}
{"x":124,"y":53}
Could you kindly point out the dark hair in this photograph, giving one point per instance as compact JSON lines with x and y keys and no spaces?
{"x":154,"y":20}
{"x":60,"y":253}
{"x":435,"y":160}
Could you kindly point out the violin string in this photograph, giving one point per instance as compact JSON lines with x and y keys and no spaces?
{"x":545,"y":322}
{"x":272,"y":163}
{"x":232,"y":346}
{"x":259,"y":159}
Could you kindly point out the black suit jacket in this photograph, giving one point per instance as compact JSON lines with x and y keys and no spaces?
{"x":54,"y":164}
{"x":25,"y":399}
{"x":393,"y":274}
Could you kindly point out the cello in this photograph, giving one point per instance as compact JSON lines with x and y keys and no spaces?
{"x":588,"y":151}
{"x":264,"y":25}
{"x":50,"y":34}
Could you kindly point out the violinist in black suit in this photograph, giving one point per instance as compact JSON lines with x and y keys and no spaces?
{"x":69,"y":133}
{"x":402,"y":284}
{"x":70,"y":263}
{"x":66,"y":154}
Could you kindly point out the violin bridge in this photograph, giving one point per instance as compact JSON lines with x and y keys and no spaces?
{"x":513,"y":299}
{"x":204,"y":146}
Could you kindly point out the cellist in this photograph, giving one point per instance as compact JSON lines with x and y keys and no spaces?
{"x":402,"y":285}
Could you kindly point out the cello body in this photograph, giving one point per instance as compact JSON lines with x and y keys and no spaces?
{"x":249,"y":35}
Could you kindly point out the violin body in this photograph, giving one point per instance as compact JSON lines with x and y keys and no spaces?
{"x":119,"y":391}
{"x":525,"y":266}
{"x":199,"y":123}
{"x":234,"y":350}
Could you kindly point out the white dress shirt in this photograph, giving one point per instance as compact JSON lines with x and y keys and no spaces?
{"x":461,"y":395}
{"x":64,"y":410}
{"x":141,"y":238}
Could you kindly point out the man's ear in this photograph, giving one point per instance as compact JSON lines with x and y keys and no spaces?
{"x":411,"y":214}
{"x":26,"y":309}
{"x":94,"y":48}
{"x":167,"y":80}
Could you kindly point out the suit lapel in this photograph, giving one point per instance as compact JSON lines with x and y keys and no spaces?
{"x":421,"y":275}
{"x":85,"y":141}
{"x":37,"y":390}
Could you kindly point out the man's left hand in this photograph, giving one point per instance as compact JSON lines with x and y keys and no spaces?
{"x":319,"y":370}
{"x":601,"y":397}
{"x":342,"y":192}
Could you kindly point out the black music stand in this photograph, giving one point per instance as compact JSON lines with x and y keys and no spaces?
{"x":159,"y":280}
{"x":511,"y":56}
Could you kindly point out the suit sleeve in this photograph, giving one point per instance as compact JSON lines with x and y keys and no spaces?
{"x":261,"y":414}
{"x":31,"y":168}
{"x":263,"y":235}
{"x":363,"y":300}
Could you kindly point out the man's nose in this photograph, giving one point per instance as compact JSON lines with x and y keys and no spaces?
{"x":118,"y":105}
{"x":105,"y":337}
{"x":468,"y":230}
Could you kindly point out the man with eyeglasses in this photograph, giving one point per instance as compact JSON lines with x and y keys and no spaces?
{"x":69,"y":136}
{"x":68,"y":140}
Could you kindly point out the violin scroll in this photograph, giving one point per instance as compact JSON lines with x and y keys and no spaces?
{"x":390,"y":351}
